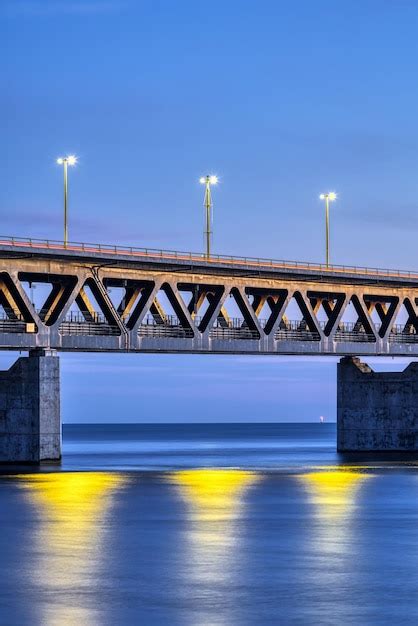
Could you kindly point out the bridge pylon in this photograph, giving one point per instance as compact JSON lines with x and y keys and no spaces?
{"x":30,"y":421}
{"x":376,"y":411}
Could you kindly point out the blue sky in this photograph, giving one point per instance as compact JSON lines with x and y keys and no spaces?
{"x":282,"y":100}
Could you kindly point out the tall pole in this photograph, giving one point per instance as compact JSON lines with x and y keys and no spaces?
{"x":328,"y":197}
{"x":65,"y":202}
{"x":208,"y":181}
{"x":65,"y":162}
{"x":327,"y":229}
{"x":208,"y":206}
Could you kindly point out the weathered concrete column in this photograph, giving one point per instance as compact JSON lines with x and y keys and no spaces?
{"x":30,"y":424}
{"x":376,"y":411}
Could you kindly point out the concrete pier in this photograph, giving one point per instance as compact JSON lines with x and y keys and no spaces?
{"x":376,"y":411}
{"x":30,"y":424}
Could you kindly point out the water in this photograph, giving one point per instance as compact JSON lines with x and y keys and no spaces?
{"x":209,"y":525}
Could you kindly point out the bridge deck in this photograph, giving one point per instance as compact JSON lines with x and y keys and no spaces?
{"x":127,"y":255}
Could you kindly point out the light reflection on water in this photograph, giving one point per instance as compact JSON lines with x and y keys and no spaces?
{"x":216,"y":508}
{"x":213,"y":494}
{"x":71,"y":509}
{"x":333,"y":492}
{"x":209,"y":547}
{"x":334,"y":495}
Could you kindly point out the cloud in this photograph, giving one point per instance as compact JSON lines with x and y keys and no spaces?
{"x":50,"y":8}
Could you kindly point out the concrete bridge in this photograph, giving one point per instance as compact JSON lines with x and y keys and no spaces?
{"x":90,"y":297}
{"x":104,"y":298}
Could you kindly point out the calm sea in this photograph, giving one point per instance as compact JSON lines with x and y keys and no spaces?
{"x":208,"y":525}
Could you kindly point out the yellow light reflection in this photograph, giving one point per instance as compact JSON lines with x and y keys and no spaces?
{"x":216,"y":507}
{"x":72,"y":509}
{"x":214,"y":494}
{"x":333,"y":492}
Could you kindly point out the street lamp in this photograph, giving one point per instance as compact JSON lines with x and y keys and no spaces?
{"x":66,"y":161}
{"x":208,"y":181}
{"x":328,"y":197}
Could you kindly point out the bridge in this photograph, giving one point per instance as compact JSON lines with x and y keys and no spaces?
{"x":100,"y":298}
{"x":91,"y":297}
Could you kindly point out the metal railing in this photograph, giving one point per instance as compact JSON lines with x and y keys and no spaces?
{"x":233,"y":328}
{"x":291,"y":330}
{"x":220,"y":332}
{"x":167,"y":326}
{"x":13,"y":326}
{"x":234,"y":332}
{"x":87,"y":328}
{"x":157,"y":254}
{"x":403,"y":334}
{"x":16,"y":324}
{"x":76,"y":317}
{"x":352,"y":331}
{"x":76,"y":324}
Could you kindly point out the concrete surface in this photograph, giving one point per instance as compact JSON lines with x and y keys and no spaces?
{"x":376,"y":411}
{"x":30,"y":424}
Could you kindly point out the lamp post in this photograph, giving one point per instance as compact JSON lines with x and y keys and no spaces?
{"x":328,"y":197}
{"x":66,"y":161}
{"x":208,"y":181}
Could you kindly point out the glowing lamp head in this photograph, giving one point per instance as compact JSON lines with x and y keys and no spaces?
{"x":212,"y":180}
{"x":70,"y":160}
{"x":330,"y":196}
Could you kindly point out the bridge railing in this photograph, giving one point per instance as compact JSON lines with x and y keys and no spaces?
{"x":76,"y":324}
{"x":154,"y":253}
{"x":15,"y":324}
{"x":167,"y":326}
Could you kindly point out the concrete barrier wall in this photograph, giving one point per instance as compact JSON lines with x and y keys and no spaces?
{"x":376,"y":410}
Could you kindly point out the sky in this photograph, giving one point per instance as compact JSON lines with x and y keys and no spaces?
{"x":282,"y":100}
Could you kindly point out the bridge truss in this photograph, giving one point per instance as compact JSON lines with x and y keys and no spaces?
{"x":74,"y":299}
